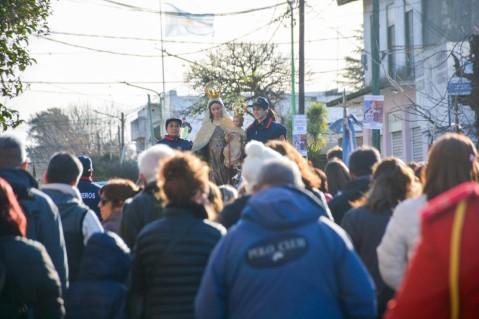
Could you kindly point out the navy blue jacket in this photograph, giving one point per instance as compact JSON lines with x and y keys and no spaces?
{"x":100,"y":291}
{"x":366,"y":229}
{"x":353,"y":191}
{"x":89,"y":191}
{"x":43,"y":218}
{"x":265,"y":131}
{"x":285,"y":259}
{"x":176,"y":143}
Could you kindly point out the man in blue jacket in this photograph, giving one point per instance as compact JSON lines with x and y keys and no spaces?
{"x":284,"y":259}
{"x":89,"y":190}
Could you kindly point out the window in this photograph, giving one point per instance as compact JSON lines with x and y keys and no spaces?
{"x":391,"y":41}
{"x":409,"y":30}
{"x":416,"y":144}
{"x":396,"y":138}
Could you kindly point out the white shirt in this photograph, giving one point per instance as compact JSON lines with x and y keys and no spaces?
{"x":399,"y":241}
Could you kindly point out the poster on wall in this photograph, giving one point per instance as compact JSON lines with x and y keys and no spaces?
{"x":299,"y":134}
{"x":373,"y":111}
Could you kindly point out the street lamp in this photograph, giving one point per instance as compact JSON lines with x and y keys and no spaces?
{"x":293,"y":91}
{"x":152,"y":132}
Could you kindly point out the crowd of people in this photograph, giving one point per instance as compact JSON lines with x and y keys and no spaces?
{"x":371,"y":239}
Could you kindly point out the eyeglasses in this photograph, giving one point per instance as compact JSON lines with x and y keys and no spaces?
{"x":103,"y":201}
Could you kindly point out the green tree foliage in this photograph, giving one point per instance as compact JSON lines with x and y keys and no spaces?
{"x":316,"y":116}
{"x":18,"y":20}
{"x":242,"y":69}
{"x":353,"y":73}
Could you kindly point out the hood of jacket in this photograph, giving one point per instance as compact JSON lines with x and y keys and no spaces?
{"x":281,"y":207}
{"x":106,"y":257}
{"x":66,"y":203}
{"x":18,"y":178}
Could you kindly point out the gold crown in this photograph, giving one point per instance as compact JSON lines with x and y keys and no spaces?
{"x":213,"y":90}
{"x":239,"y":107}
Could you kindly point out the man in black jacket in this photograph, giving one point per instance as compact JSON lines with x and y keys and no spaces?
{"x":146,"y":206}
{"x":361,"y":164}
{"x":43,"y":222}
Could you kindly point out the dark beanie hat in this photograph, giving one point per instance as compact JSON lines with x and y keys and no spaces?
{"x":86,"y":163}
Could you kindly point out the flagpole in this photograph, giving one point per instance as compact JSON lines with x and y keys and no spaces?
{"x":163,"y":104}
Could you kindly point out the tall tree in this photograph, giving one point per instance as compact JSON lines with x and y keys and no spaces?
{"x":18,"y":20}
{"x":353,"y":73}
{"x":316,"y":116}
{"x":242,"y":69}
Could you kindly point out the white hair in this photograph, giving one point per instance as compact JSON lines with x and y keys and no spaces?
{"x":256,"y":154}
{"x":279,"y":171}
{"x":149,"y":161}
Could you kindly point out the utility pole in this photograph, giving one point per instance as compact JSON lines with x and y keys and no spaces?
{"x":474,"y":97}
{"x":149,"y":110}
{"x":122,"y":119}
{"x":293,"y":84}
{"x":162,"y":101}
{"x":150,"y":120}
{"x":301,"y":56}
{"x":375,"y":64}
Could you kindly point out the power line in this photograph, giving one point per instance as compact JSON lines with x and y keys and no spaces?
{"x":96,"y":82}
{"x":175,"y":13}
{"x":174,"y":41}
{"x":99,"y":50}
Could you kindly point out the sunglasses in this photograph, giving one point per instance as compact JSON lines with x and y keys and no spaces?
{"x":103,"y":201}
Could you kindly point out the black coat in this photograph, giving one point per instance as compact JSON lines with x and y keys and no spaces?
{"x":366,"y":230}
{"x":231,"y":213}
{"x":139,"y":211}
{"x":169,"y":259}
{"x":30,"y":270}
{"x":353,"y":191}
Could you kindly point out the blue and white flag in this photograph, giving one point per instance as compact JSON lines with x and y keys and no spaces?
{"x":349,"y":140}
{"x":181,"y":23}
{"x":346,"y":126}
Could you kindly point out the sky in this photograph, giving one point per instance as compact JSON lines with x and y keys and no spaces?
{"x":95,"y":45}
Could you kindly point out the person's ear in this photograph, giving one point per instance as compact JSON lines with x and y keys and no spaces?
{"x":256,"y":189}
{"x":24,"y":165}
{"x":45,"y":178}
{"x":75,"y":181}
{"x":142,"y":178}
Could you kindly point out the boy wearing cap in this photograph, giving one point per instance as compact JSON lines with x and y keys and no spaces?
{"x":89,"y":190}
{"x":172,"y":137}
{"x":264,"y":127}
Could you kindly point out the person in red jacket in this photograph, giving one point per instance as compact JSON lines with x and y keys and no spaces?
{"x":442,"y":281}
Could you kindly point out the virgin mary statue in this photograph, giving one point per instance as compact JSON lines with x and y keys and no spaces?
{"x":210,"y":140}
